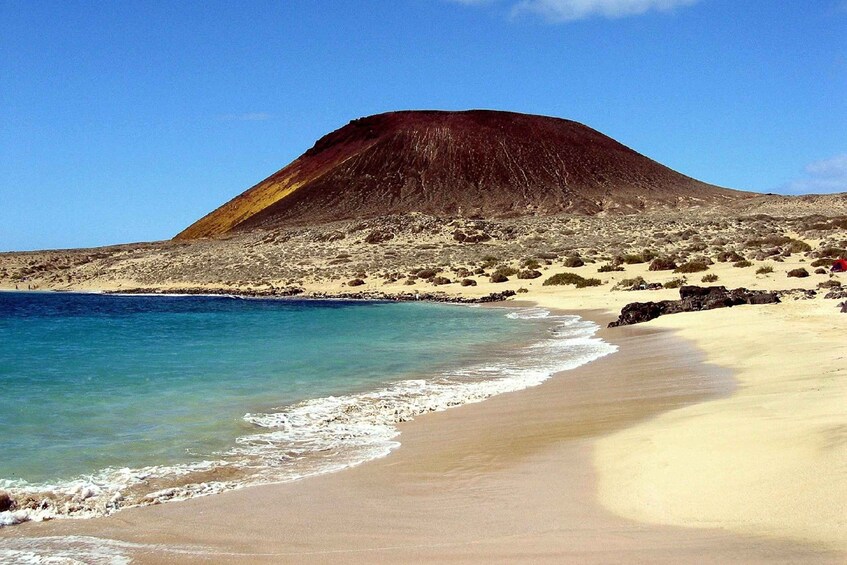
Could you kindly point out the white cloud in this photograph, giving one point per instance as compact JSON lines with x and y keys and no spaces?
{"x":824,"y":176}
{"x":571,"y":10}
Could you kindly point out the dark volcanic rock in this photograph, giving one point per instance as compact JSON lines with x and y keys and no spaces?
{"x":6,"y":502}
{"x":692,"y":299}
{"x":475,"y":163}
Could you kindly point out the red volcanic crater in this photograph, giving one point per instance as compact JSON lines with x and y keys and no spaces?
{"x":473,"y":163}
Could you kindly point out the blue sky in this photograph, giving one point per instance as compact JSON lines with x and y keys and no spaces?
{"x":127,"y":121}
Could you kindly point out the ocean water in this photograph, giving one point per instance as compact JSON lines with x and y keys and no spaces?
{"x":108,"y":402}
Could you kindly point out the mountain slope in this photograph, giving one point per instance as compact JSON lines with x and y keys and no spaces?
{"x":473,"y":163}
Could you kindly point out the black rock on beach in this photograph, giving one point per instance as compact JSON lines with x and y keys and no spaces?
{"x":692,"y":299}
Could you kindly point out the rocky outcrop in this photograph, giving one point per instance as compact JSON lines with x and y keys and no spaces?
{"x":353,"y":295}
{"x":692,"y":299}
{"x":6,"y":502}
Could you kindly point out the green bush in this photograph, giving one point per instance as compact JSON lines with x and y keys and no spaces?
{"x":692,"y":267}
{"x":562,"y":279}
{"x":531,"y":264}
{"x":588,"y":282}
{"x":506,"y":271}
{"x":609,"y":268}
{"x":663,"y":264}
{"x":675,"y":283}
{"x":489,"y":261}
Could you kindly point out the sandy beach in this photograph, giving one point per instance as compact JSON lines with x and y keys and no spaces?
{"x":709,"y":436}
{"x":625,"y":459}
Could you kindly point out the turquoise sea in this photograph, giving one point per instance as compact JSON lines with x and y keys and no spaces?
{"x":113,"y":401}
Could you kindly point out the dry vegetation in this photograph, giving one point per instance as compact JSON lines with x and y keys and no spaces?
{"x":415,"y":251}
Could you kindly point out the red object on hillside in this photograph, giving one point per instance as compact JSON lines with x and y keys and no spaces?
{"x":839,"y":266}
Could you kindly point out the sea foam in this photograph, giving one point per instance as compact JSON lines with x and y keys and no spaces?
{"x":319,"y":435}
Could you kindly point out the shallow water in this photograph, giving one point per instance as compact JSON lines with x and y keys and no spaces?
{"x":114,"y":401}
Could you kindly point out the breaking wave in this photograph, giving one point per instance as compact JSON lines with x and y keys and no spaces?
{"x":319,"y":435}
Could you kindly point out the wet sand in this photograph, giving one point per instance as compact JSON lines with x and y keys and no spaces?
{"x":511,"y":479}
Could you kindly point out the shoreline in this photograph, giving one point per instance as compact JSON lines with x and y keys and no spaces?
{"x":479,"y":481}
{"x":358,"y":424}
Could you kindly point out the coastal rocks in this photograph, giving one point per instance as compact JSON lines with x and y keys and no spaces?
{"x":417,"y":296}
{"x":7,"y":503}
{"x":797,"y":294}
{"x":240,"y":292}
{"x":692,"y":299}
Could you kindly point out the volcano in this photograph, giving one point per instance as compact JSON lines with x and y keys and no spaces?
{"x":476,"y":163}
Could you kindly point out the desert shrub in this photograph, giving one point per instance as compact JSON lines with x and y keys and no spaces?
{"x":529,"y":274}
{"x":833,"y":252}
{"x":797,"y":246}
{"x":588,"y":282}
{"x":633,"y":259}
{"x":609,"y":268}
{"x":710,"y":278}
{"x":769,"y":240}
{"x":468,"y":282}
{"x":499,"y":277}
{"x":663,"y":264}
{"x":743,"y":263}
{"x":562,"y":279}
{"x":629,"y":283}
{"x":574,"y":262}
{"x":692,"y":267}
{"x":675,"y":283}
{"x":727,"y":256}
{"x":798,"y":273}
{"x":530,"y":263}
{"x":822,"y":263}
{"x":440,"y":280}
{"x":489,"y":261}
{"x":506,"y":270}
{"x":764,"y":270}
{"x":355,"y":282}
